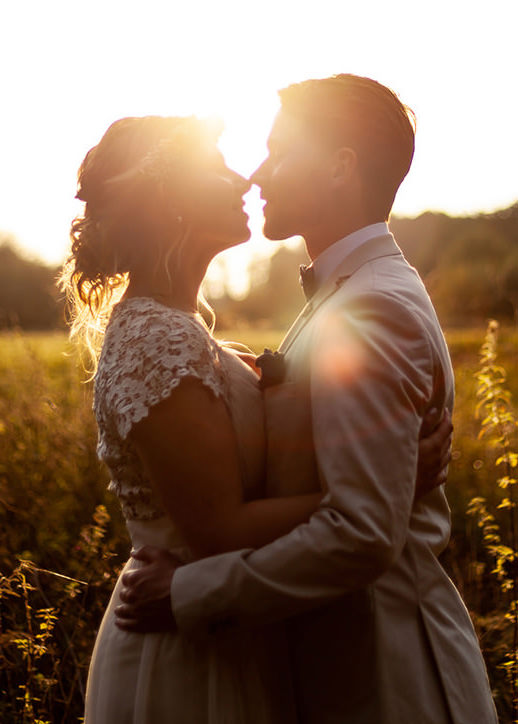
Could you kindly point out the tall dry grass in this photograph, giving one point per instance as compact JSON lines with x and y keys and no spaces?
{"x":53,"y":520}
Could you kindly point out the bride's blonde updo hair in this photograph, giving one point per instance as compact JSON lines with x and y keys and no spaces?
{"x":131,"y":183}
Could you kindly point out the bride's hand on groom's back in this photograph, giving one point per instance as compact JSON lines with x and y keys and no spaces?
{"x":145,"y":594}
{"x":434,"y":453}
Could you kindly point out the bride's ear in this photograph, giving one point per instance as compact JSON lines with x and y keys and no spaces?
{"x":345,"y":164}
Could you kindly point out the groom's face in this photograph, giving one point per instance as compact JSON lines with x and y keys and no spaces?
{"x":294,"y":179}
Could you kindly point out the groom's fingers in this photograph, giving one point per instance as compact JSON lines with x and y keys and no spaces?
{"x":133,"y":587}
{"x":151,"y":581}
{"x":147,"y":554}
{"x":127,"y":595}
{"x":152,"y":556}
{"x":156,"y":618}
{"x":126,"y":620}
{"x":141,"y":587}
{"x":125,"y":612}
{"x":145,"y":604}
{"x":128,"y":579}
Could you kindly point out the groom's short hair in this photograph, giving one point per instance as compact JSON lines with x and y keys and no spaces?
{"x":348,"y":110}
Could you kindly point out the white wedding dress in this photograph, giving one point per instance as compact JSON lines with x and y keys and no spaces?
{"x":234,"y":676}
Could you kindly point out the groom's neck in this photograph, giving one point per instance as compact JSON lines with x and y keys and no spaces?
{"x":325,"y":235}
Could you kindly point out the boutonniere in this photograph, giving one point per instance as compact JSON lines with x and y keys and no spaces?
{"x":273,"y":368}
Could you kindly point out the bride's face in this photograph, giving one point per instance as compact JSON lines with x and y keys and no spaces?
{"x":212,"y":204}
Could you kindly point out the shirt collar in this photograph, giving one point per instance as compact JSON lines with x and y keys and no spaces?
{"x":330,"y":258}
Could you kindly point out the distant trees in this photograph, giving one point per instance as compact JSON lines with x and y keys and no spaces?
{"x":28,"y":295}
{"x":275,"y":295}
{"x":469,"y":265}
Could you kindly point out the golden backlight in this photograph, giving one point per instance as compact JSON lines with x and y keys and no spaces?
{"x":74,"y":68}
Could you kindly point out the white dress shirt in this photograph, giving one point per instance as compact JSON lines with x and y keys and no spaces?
{"x":330,"y":258}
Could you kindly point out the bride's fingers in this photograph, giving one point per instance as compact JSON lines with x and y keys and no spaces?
{"x":435,"y":449}
{"x":436,"y":434}
{"x":446,"y":456}
{"x":442,"y":477}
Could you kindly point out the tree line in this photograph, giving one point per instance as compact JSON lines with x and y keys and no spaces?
{"x":469,"y":265}
{"x":29,"y":298}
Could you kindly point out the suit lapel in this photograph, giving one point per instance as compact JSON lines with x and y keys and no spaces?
{"x":373,"y":249}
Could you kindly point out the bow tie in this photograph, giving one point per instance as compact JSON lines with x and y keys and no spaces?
{"x":308,"y":280}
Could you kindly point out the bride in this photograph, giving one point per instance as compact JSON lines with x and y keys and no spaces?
{"x":179,"y":415}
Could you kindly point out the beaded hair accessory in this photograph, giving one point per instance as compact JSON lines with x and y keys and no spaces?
{"x":185,"y":144}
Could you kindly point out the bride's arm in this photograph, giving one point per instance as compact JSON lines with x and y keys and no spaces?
{"x":188,"y":447}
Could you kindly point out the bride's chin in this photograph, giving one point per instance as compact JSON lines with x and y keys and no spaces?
{"x":236,"y":240}
{"x":243,"y":236}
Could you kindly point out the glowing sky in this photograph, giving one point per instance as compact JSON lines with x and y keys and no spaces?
{"x":68,"y":69}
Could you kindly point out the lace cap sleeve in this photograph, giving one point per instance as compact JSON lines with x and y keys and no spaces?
{"x":148,"y":349}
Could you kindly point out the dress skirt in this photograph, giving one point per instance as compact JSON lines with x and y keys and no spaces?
{"x":238,"y":676}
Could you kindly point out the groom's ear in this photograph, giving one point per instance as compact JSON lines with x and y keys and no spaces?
{"x":344,"y":166}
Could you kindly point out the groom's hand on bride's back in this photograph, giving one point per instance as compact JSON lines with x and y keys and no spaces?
{"x":145,"y":594}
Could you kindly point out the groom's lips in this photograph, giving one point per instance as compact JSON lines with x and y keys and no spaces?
{"x":239,"y":206}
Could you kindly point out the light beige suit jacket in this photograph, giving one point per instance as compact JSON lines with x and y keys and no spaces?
{"x":378,"y":633}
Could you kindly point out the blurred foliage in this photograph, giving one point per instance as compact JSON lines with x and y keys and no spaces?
{"x":28,"y":295}
{"x":275,"y":297}
{"x":498,"y":524}
{"x":469,"y":264}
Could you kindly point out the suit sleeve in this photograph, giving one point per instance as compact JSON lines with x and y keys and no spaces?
{"x":371,"y":382}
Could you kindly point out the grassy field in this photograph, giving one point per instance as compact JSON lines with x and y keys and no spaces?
{"x":56,"y":516}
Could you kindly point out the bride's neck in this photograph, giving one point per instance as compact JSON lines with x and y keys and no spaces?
{"x":178,"y":289}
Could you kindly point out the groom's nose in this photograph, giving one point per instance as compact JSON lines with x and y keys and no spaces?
{"x":258,"y":175}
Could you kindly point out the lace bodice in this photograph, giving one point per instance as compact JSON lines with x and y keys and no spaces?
{"x":148,"y":349}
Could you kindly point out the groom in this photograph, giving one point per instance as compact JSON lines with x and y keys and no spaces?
{"x":378,"y":633}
